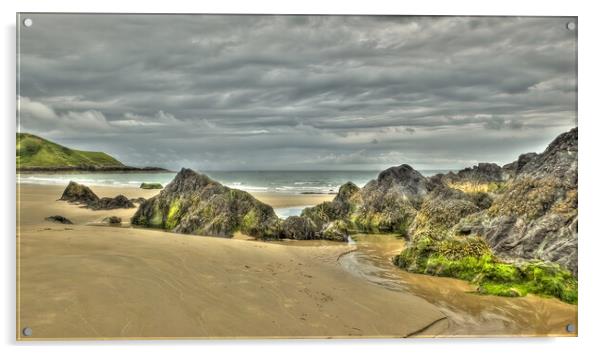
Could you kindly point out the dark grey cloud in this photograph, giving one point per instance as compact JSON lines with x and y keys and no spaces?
{"x":298,"y":92}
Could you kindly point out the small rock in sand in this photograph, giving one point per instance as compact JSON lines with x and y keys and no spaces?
{"x":59,"y":219}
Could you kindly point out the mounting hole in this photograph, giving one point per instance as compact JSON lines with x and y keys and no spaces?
{"x":570,"y":328}
{"x":27,"y":331}
{"x":28,"y":22}
{"x":571,"y":26}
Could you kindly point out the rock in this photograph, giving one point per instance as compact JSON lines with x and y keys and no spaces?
{"x":195,"y":204}
{"x":59,"y":219}
{"x":559,"y":160}
{"x":151,"y":186}
{"x":119,"y":202}
{"x":483,"y":172}
{"x":386,"y":204}
{"x":340,"y":207}
{"x":514,"y":168}
{"x":481,"y":199}
{"x":345,"y":194}
{"x":139,"y":200}
{"x":299,"y":228}
{"x":536,"y":215}
{"x":78,"y":193}
{"x":112,"y":220}
{"x":402,"y":181}
{"x":335,"y":231}
{"x":390,"y":203}
{"x":440,"y":211}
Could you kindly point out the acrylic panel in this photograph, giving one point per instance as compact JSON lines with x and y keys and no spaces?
{"x":290,"y":176}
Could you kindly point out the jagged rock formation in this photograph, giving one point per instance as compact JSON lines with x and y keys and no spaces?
{"x":195,"y":204}
{"x":387,"y":204}
{"x":79,"y":194}
{"x":510,"y":233}
{"x":536,"y":215}
{"x":525,"y":210}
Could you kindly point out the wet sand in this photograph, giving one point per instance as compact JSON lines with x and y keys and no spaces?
{"x":468,"y":314}
{"x":101,"y":282}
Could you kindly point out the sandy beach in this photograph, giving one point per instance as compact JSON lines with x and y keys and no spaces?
{"x":102,"y":282}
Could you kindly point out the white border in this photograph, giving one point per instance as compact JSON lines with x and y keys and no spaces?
{"x":590,"y":115}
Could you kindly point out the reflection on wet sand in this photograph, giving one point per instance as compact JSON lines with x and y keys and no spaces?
{"x":469,"y":313}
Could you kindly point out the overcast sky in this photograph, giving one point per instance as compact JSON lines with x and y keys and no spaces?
{"x":298,"y":92}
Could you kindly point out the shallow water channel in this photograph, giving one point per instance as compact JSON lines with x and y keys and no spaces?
{"x":468,"y":313}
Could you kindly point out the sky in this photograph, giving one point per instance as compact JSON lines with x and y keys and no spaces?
{"x":216,"y":92}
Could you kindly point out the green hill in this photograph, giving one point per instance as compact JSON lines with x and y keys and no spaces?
{"x":34,"y":152}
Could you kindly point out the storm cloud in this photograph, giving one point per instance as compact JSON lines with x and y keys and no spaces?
{"x":215,"y":92}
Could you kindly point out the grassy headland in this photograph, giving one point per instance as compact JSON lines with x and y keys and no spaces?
{"x":38,"y":154}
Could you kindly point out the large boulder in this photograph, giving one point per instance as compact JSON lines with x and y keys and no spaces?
{"x":79,"y":194}
{"x":195,"y":204}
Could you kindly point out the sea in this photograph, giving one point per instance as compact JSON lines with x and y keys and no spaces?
{"x":289,"y":182}
{"x":295,"y":182}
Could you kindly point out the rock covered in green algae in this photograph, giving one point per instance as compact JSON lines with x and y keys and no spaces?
{"x":386,"y":204}
{"x":145,"y":185}
{"x":390,"y":202}
{"x":299,"y":228}
{"x":337,"y":230}
{"x":195,"y":204}
{"x":524,"y":242}
{"x":339,"y":208}
{"x":440,"y":211}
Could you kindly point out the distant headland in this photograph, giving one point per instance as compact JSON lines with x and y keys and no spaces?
{"x":36,"y":154}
